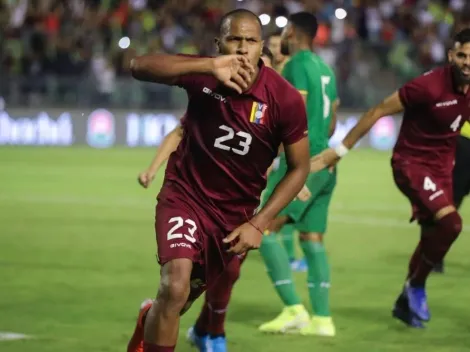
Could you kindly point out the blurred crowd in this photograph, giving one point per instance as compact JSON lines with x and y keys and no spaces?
{"x":78,"y":51}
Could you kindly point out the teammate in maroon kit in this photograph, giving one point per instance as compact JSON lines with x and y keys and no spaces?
{"x":238,"y":114}
{"x":435,"y":107}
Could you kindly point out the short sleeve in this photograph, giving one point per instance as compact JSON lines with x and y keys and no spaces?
{"x":416,"y":91}
{"x":293,"y":122}
{"x":296,"y":75}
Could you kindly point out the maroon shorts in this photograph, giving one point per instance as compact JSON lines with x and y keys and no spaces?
{"x":427,"y":191}
{"x":184,"y":230}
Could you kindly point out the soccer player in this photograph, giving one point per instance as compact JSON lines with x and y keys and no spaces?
{"x":315,"y":80}
{"x":238,"y":114}
{"x":274,"y":45}
{"x":435,"y":107}
{"x":461,"y":174}
{"x":288,"y":232}
{"x":208,"y":334}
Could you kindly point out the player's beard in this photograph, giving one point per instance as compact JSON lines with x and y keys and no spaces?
{"x":460,"y":77}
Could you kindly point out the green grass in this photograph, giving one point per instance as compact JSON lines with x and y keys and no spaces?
{"x":77,"y":258}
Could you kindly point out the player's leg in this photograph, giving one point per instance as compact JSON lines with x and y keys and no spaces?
{"x":312,"y":228}
{"x":162,"y":321}
{"x":208,"y":334}
{"x":180,"y":253}
{"x":440,"y":226}
{"x":460,"y":178}
{"x":294,"y":315}
{"x":289,"y":236}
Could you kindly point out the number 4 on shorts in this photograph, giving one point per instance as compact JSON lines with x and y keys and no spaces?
{"x":429,"y":185}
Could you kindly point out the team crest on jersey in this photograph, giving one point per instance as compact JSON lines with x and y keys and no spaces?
{"x":258,"y":113}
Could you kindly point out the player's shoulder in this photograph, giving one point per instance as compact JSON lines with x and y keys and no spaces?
{"x":435,"y":79}
{"x":279,"y":90}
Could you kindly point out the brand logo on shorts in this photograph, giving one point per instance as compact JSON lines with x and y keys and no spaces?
{"x":384,"y":133}
{"x":100,"y":129}
{"x":182,"y":244}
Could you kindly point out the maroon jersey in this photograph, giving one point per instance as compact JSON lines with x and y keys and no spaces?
{"x":231,"y":139}
{"x":434,"y":114}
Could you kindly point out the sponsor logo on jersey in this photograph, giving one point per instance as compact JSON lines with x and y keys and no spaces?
{"x":383,"y":135}
{"x":214,"y":95}
{"x":258,"y":113}
{"x":100,"y":131}
{"x":447,"y":103}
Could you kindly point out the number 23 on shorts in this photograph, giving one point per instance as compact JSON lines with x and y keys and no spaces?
{"x":176,"y":233}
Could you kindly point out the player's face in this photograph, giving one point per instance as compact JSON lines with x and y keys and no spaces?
{"x":267,"y":61}
{"x":275,"y":47}
{"x":459,"y":57}
{"x":287,"y":33}
{"x":242,"y":36}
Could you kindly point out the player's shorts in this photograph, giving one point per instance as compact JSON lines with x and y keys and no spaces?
{"x":461,"y":174}
{"x":311,"y":215}
{"x":427,"y":192}
{"x":184,"y":230}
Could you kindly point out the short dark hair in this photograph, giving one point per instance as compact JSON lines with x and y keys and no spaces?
{"x":266,"y":52}
{"x":306,"y":22}
{"x":277,"y":33}
{"x":463,"y":36}
{"x":236,"y":13}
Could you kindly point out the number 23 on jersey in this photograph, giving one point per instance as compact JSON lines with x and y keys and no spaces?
{"x":244,"y":140}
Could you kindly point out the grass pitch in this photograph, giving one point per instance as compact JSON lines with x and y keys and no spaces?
{"x":77,"y":258}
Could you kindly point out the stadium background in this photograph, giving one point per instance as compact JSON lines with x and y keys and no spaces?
{"x":76,"y":233}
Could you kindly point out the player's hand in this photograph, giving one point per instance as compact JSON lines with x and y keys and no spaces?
{"x":249,"y":237}
{"x":304,"y":194}
{"x":234,"y":71}
{"x":145,"y":178}
{"x":326,"y":159}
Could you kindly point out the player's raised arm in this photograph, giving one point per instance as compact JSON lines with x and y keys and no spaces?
{"x":389,"y":106}
{"x":168,"y":146}
{"x":235,"y":71}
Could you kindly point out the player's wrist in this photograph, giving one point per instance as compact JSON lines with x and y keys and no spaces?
{"x":341,"y":150}
{"x":260,"y":222}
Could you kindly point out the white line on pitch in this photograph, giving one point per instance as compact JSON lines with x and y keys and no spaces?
{"x":9,"y":336}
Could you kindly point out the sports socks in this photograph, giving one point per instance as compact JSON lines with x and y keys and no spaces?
{"x":150,"y":347}
{"x":434,"y":245}
{"x":277,"y":265}
{"x":212,"y":317}
{"x":318,"y":277}
{"x":288,"y":240}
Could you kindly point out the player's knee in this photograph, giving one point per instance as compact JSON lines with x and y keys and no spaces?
{"x":451,"y":224}
{"x":175,"y":283}
{"x":311,"y":236}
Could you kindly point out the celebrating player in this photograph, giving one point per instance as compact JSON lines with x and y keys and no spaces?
{"x":461,"y":174}
{"x":435,"y":107}
{"x":315,"y":80}
{"x":208,"y":334}
{"x":238,"y":114}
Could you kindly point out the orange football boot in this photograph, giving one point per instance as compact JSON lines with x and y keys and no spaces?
{"x":136,"y":343}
